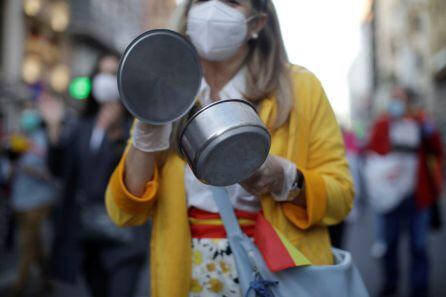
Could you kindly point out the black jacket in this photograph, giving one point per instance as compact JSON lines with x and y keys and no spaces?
{"x":85,"y":174}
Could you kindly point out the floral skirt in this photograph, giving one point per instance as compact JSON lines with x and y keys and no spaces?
{"x":213,"y":269}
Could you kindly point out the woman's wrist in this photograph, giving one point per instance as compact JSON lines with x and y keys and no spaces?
{"x":139,"y":169}
{"x":291,"y":182}
{"x":298,"y":185}
{"x":297,"y":196}
{"x":296,"y":192}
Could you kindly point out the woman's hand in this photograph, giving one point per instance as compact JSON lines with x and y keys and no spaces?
{"x":277,"y":177}
{"x":268,"y":178}
{"x":150,"y":138}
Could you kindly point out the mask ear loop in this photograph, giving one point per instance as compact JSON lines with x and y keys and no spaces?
{"x":252,"y":18}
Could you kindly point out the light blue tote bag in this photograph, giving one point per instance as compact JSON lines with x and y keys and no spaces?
{"x":339,"y":280}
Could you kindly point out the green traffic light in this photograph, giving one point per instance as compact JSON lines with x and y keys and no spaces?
{"x":80,"y":88}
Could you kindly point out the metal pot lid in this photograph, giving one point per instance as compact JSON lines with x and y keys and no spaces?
{"x":159,"y":76}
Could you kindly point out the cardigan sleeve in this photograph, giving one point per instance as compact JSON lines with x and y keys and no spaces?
{"x":124,"y":208}
{"x":328,"y":184}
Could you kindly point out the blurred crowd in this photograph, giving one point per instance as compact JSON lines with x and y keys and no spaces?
{"x":398,"y":174}
{"x":55,"y":170}
{"x":55,"y":167}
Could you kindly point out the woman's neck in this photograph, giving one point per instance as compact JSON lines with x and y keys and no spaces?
{"x":218,"y":73}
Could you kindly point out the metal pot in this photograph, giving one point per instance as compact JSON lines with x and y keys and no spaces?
{"x":225,"y":142}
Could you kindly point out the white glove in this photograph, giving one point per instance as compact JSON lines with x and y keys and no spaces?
{"x":151,"y":138}
{"x":289,"y":174}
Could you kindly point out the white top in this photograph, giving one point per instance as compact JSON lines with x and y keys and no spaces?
{"x":97,"y":136}
{"x":406,"y":133}
{"x":198,"y":194}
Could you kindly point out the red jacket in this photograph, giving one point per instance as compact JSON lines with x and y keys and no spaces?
{"x":430,"y":158}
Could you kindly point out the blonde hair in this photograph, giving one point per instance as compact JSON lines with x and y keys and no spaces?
{"x":267,"y":64}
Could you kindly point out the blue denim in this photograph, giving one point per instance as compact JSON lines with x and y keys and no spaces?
{"x":28,"y":191}
{"x":407,"y":217}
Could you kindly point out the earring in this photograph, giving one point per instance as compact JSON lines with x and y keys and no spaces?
{"x":255,"y":35}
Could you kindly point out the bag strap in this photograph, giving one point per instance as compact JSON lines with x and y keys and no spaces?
{"x":258,"y":286}
{"x":226,"y":211}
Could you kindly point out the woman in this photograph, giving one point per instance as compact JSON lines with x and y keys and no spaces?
{"x":303,"y":186}
{"x":33,"y":195}
{"x":410,"y":138}
{"x":85,"y":158}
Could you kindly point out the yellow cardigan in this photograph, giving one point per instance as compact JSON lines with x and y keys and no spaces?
{"x":310,"y":138}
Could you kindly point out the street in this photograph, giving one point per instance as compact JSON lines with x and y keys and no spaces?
{"x":309,"y":81}
{"x":359,"y":237}
{"x":359,"y":240}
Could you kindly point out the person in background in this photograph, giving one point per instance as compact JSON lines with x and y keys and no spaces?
{"x":303,"y":186}
{"x":33,"y":195}
{"x":13,"y":145}
{"x":84,"y":156}
{"x":411,"y":135}
{"x":5,"y":174}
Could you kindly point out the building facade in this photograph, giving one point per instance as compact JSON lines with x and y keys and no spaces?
{"x":362,"y":79}
{"x":46,"y":43}
{"x":438,"y":60}
{"x":404,"y":42}
{"x":403,"y":49}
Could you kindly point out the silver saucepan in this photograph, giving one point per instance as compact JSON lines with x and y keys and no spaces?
{"x":225,"y":142}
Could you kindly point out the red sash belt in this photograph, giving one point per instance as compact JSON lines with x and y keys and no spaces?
{"x":205,"y":224}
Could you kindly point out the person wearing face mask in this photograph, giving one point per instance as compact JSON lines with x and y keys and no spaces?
{"x":33,"y":195}
{"x":410,"y":137}
{"x":84,"y":155}
{"x":303,"y":186}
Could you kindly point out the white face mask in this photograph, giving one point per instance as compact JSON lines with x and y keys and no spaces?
{"x":105,"y":88}
{"x":216,"y":30}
